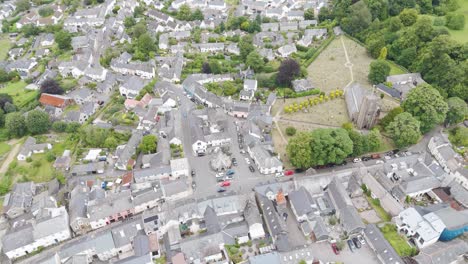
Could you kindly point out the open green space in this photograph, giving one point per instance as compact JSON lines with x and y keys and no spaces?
{"x":38,"y":170}
{"x":4,"y":148}
{"x":395,"y":68}
{"x":21,"y":96}
{"x":5,"y":46}
{"x":461,"y":35}
{"x":375,"y":203}
{"x":397,"y":241}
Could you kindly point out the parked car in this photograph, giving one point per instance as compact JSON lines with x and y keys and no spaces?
{"x":356,"y":160}
{"x":356,"y":242}
{"x":335,"y":249}
{"x":230,"y":172}
{"x":219,"y":175}
{"x":251,"y":168}
{"x":241,"y":146}
{"x":289,"y":173}
{"x":234,"y":161}
{"x":225,"y":184}
{"x":221,"y":189}
{"x":351,"y":245}
{"x":242,"y":151}
{"x":229,"y":177}
{"x":279,"y":174}
{"x":366,"y":158}
{"x":193,"y":173}
{"x":194,"y":185}
{"x":247,"y":160}
{"x":375,"y":156}
{"x":361,"y":240}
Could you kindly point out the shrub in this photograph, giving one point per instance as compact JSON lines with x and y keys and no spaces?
{"x":290,"y":131}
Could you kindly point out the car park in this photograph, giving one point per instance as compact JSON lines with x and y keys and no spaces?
{"x":361,"y":240}
{"x":251,"y":168}
{"x":351,"y":245}
{"x":335,"y":249}
{"x":356,"y":242}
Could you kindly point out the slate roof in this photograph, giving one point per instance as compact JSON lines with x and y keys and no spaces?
{"x":381,"y":246}
{"x":302,"y":201}
{"x":442,"y":252}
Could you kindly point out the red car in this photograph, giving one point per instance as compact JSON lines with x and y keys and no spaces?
{"x":289,"y":173}
{"x":225,"y":184}
{"x":335,"y":249}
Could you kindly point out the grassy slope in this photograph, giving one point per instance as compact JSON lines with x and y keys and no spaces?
{"x":461,"y":35}
{"x":5,"y":46}
{"x":20,"y":96}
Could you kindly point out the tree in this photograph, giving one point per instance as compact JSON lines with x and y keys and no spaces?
{"x":455,"y":21}
{"x":378,"y":9}
{"x":408,"y":17}
{"x":390,"y":116}
{"x":184,"y":12}
{"x":59,"y":126}
{"x":5,"y":98}
{"x":330,"y":146}
{"x":129,"y":22}
{"x":145,"y":44}
{"x":426,"y":105}
{"x":325,"y":14}
{"x":51,"y":86}
{"x":197,"y":15}
{"x":288,"y":70}
{"x":206,"y":67}
{"x":459,"y":90}
{"x":359,"y":18}
{"x":457,"y":111}
{"x":2,"y":118}
{"x":246,"y":46}
{"x":139,"y":29}
{"x":22,"y":5}
{"x":15,"y":124}
{"x":215,"y":66}
{"x":9,"y":108}
{"x":37,"y":122}
{"x":459,"y":136}
{"x":290,"y":131}
{"x":111,"y":143}
{"x":45,"y":11}
{"x":255,"y":61}
{"x":309,"y":14}
{"x":63,"y":40}
{"x":375,"y":43}
{"x":374,"y":140}
{"x":379,"y":70}
{"x":148,"y":144}
{"x":383,"y":53}
{"x":299,"y":150}
{"x":360,"y":144}
{"x":404,"y":130}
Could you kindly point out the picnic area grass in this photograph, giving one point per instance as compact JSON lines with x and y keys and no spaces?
{"x":21,"y":97}
{"x":461,"y":35}
{"x":5,"y":46}
{"x":397,"y":241}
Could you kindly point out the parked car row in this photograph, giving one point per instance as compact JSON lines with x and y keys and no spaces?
{"x":356,"y":243}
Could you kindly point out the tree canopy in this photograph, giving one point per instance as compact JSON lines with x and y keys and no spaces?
{"x":15,"y":124}
{"x":63,"y":39}
{"x":457,"y":111}
{"x":288,"y":70}
{"x":379,"y":70}
{"x":255,"y":61}
{"x":148,"y":144}
{"x":404,"y":130}
{"x":426,"y":105}
{"x":37,"y":122}
{"x":51,"y":86}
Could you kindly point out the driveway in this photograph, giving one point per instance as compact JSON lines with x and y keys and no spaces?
{"x":11,"y":156}
{"x":364,"y":255}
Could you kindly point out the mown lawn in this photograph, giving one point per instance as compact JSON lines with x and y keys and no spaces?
{"x":395,"y":69}
{"x":21,"y":96}
{"x":397,"y":241}
{"x":461,"y":35}
{"x":4,"y":148}
{"x":5,"y":46}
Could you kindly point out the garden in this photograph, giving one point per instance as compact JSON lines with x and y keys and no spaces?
{"x":398,"y":242}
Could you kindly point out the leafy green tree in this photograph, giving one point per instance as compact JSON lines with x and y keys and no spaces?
{"x":387,"y":119}
{"x":375,"y":44}
{"x":45,"y":11}
{"x":255,"y":61}
{"x":111,"y":143}
{"x":185,"y":13}
{"x":148,"y":144}
{"x":330,"y":146}
{"x":246,"y":46}
{"x":37,"y":122}
{"x":139,"y":29}
{"x":197,"y":15}
{"x":459,"y":90}
{"x":15,"y":124}
{"x":59,"y":126}
{"x":359,"y":18}
{"x":394,"y":24}
{"x":63,"y":40}
{"x":378,"y":9}
{"x":215,"y":66}
{"x":459,"y":136}
{"x":93,"y":136}
{"x":23,"y":5}
{"x":129,"y":22}
{"x":404,"y":130}
{"x":360,"y":143}
{"x":396,"y":6}
{"x":146,"y":44}
{"x":299,"y":150}
{"x":426,"y":105}
{"x":325,"y":14}
{"x":455,"y":21}
{"x":374,"y":139}
{"x":408,"y":17}
{"x":379,"y":70}
{"x":309,"y":14}
{"x":2,"y":118}
{"x":457,"y":111}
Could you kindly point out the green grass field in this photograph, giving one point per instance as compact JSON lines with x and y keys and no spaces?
{"x":397,"y":241}
{"x":21,"y":96}
{"x":4,"y":148}
{"x":39,"y":170}
{"x":395,"y":68}
{"x":5,"y":46}
{"x":461,"y":35}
